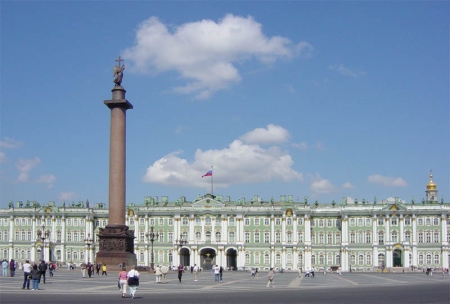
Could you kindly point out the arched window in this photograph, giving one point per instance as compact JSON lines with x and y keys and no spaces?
{"x":289,"y":259}
{"x":266,"y":259}
{"x":278,"y":259}
{"x":208,"y":221}
{"x":208,"y":236}
{"x":256,"y":258}
{"x":360,"y":260}
{"x":289,"y":221}
{"x":300,"y":260}
{"x":231,"y":237}
{"x":218,"y":237}
{"x":198,"y":236}
{"x":247,"y":258}
{"x":381,"y":260}
{"x":289,"y":237}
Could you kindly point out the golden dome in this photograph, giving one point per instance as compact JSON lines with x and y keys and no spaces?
{"x":431,"y":185}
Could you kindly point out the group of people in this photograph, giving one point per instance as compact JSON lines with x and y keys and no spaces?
{"x":91,"y":269}
{"x":8,"y":265}
{"x":34,"y":273}
{"x":130,"y":279}
{"x":161,"y":274}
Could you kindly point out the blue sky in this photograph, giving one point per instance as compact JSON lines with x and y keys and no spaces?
{"x":318,"y":99}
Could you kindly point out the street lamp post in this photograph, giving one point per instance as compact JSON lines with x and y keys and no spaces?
{"x":42,"y":234}
{"x":89,"y":241}
{"x":151,"y":237}
{"x":181,"y":243}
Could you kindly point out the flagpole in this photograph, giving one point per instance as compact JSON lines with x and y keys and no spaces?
{"x":212,"y":176}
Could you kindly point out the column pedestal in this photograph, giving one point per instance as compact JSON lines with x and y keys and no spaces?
{"x":116,"y":246}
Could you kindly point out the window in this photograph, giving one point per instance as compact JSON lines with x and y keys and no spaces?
{"x":185,"y":221}
{"x":360,"y":222}
{"x":256,"y":221}
{"x":247,"y":237}
{"x":141,"y":221}
{"x":352,"y":237}
{"x":266,"y":237}
{"x":170,"y":258}
{"x":170,"y":237}
{"x":360,"y":237}
{"x":408,"y":236}
{"x":380,"y":221}
{"x":278,"y":259}
{"x":131,"y":220}
{"x":313,"y":237}
{"x":420,"y":221}
{"x":218,"y":237}
{"x":352,"y":259}
{"x":218,"y":221}
{"x":82,"y":223}
{"x":320,"y":223}
{"x":141,"y":256}
{"x":185,"y":237}
{"x":360,"y":260}
{"x":381,"y":260}
{"x":420,"y":259}
{"x":266,"y":259}
{"x":428,"y":259}
{"x":368,"y":259}
{"x":321,"y":238}
{"x":256,"y":237}
{"x":231,"y":221}
{"x":407,"y":221}
{"x":289,"y":221}
{"x":278,"y":237}
{"x":231,"y":237}
{"x":289,"y":237}
{"x":300,"y":236}
{"x":380,"y":237}
{"x":256,"y":258}
{"x":436,"y":222}
{"x":247,"y":222}
{"x":277,"y":221}
{"x":161,"y":221}
{"x":266,"y":222}
{"x":141,"y":236}
{"x":420,"y":237}
{"x":394,"y":236}
{"x":329,"y":223}
{"x":428,"y":237}
{"x":24,"y":236}
{"x":161,"y":236}
{"x":29,"y":236}
{"x":394,"y":221}
{"x":300,"y":260}
{"x":75,"y":222}
{"x":300,"y":221}
{"x":198,"y":236}
{"x":436,"y":259}
{"x":368,"y":221}
{"x":368,"y":237}
{"x":313,"y":260}
{"x":170,"y":222}
{"x":247,"y":258}
{"x":321,"y":259}
{"x":198,"y":220}
{"x":208,"y":221}
{"x":352,"y":222}
{"x":436,"y":237}
{"x":338,"y":238}
{"x":448,"y":236}
{"x":428,"y":221}
{"x":104,"y":223}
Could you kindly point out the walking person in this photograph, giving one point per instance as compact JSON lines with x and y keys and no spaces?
{"x":133,"y":281}
{"x":83,"y":270}
{"x":97,"y":268}
{"x":123,"y":275}
{"x":221,"y":272}
{"x":216,"y":273}
{"x":90,"y":269}
{"x":26,"y":274}
{"x":164,"y":270}
{"x":158,"y":274}
{"x":270,"y":276}
{"x":35,"y":277}
{"x":5,"y":268}
{"x":51,"y":267}
{"x":12,"y":268}
{"x":43,"y":269}
{"x":180,"y":271}
{"x":195,"y":271}
{"x":104,"y":270}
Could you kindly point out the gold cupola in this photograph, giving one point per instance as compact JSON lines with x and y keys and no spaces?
{"x":431,"y":185}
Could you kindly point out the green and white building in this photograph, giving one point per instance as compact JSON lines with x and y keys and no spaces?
{"x":280,"y":233}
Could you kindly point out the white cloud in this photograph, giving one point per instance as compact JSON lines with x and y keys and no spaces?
{"x":48,"y":179}
{"x":347,"y":185}
{"x":205,"y":53}
{"x":387,"y":181}
{"x":25,"y":166}
{"x":321,"y":186}
{"x":66,"y":196}
{"x":2,"y":157}
{"x":346,"y":71}
{"x":9,"y":143}
{"x":271,"y":135}
{"x":239,"y":163}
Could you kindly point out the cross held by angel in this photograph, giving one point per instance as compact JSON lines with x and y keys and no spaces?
{"x":118,"y":73}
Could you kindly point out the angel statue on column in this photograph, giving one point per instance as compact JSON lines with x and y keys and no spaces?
{"x":118,"y":73}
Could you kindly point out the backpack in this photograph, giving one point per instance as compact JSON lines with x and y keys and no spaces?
{"x":43,"y":267}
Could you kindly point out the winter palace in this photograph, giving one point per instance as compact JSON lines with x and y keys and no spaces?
{"x":353,"y":235}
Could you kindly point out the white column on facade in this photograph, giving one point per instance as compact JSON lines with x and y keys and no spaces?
{"x":307,"y":230}
{"x":191,"y":228}
{"x":387,"y":232}
{"x":224,"y":230}
{"x":374,"y":230}
{"x":414,"y":230}
{"x":63,"y":239}
{"x":401,"y":237}
{"x":405,"y":259}
{"x":389,"y":256}
{"x":344,"y":225}
{"x":294,"y":225}
{"x":11,"y":236}
{"x":444,"y":229}
{"x":203,"y":230}
{"x":283,"y":229}
{"x":375,"y":256}
{"x":147,"y":251}
{"x":295,"y":258}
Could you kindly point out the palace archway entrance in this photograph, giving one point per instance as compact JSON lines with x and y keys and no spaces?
{"x":207,"y":258}
{"x":231,"y":259}
{"x":397,"y":258}
{"x":185,"y":257}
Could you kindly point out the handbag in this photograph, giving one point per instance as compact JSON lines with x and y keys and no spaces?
{"x":133,"y":281}
{"x":118,"y":284}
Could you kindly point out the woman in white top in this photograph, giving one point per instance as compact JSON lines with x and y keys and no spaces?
{"x":133,"y":273}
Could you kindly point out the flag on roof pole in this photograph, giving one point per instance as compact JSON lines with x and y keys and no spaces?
{"x":209,"y":173}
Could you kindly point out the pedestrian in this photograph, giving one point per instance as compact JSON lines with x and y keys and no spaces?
{"x":12,"y":268}
{"x":256,"y":272}
{"x":195,"y":270}
{"x":35,"y":277}
{"x":164,"y":270}
{"x":123,"y":281}
{"x":43,"y":269}
{"x":26,"y":274}
{"x":180,"y":271}
{"x":90,"y":269}
{"x":5,"y":268}
{"x":158,"y":274}
{"x":221,"y":272}
{"x":97,"y":268}
{"x":270,"y":276}
{"x":253,"y":273}
{"x":133,"y":281}
{"x":104,"y":270}
{"x":83,"y":270}
{"x":299,"y":271}
{"x":51,"y":267}
{"x":216,"y":273}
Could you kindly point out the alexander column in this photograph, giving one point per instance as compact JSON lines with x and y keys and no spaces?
{"x":116,"y":240}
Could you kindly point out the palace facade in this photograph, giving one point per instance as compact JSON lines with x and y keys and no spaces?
{"x":356,"y":235}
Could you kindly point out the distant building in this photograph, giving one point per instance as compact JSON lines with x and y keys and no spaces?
{"x":285,"y":234}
